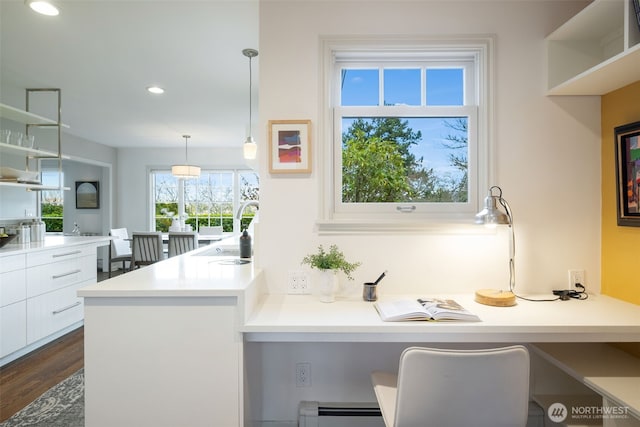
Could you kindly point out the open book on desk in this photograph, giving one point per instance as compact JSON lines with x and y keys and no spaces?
{"x":423,"y":309}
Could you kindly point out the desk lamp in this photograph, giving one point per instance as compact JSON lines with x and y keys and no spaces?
{"x":492,"y":216}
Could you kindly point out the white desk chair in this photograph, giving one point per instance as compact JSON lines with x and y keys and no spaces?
{"x":454,"y":388}
{"x":181,"y":242}
{"x":147,"y":249}
{"x":120,"y":249}
{"x":211,"y":231}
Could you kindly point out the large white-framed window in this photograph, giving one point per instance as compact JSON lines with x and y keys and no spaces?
{"x":407,"y":124}
{"x":211,"y":200}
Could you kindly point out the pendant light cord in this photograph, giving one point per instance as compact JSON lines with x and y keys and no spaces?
{"x":250,"y":105}
{"x":186,"y":149}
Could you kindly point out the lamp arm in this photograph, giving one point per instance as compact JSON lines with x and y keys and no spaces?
{"x":512,"y":245}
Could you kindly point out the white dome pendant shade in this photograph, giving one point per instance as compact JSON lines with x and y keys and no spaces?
{"x":250,"y":148}
{"x":185,"y":171}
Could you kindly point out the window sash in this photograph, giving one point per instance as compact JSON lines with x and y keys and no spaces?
{"x":417,"y":208}
{"x":470,"y":93}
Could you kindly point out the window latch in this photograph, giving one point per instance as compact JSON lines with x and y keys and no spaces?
{"x":406,"y":209}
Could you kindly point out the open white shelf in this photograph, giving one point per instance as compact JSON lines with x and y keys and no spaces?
{"x":20,"y":116}
{"x":595,"y":52}
{"x":32,"y":154}
{"x":29,"y":151}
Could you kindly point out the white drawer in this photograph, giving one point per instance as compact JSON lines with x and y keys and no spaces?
{"x":13,"y":327}
{"x":49,"y":277}
{"x":13,"y":262}
{"x":13,"y":287}
{"x":48,"y":313}
{"x":60,"y":254}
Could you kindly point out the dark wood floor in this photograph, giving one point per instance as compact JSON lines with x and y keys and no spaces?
{"x":23,"y":380}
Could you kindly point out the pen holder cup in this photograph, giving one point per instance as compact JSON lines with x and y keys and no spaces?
{"x":370,"y":292}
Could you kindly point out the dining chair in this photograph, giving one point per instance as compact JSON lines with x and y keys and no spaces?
{"x":120,"y":249}
{"x":147,"y":248}
{"x":453,"y":388}
{"x":181,"y":242}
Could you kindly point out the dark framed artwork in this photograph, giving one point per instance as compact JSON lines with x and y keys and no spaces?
{"x":87,"y":195}
{"x":627,"y":138}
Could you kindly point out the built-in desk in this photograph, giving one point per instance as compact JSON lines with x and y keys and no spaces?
{"x":303,"y":318}
{"x":197,"y":340}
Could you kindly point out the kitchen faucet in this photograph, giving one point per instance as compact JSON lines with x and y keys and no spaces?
{"x":241,"y":211}
{"x":246,"y":205}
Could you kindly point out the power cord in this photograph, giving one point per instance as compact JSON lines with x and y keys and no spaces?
{"x":567,"y":294}
{"x":562,"y":295}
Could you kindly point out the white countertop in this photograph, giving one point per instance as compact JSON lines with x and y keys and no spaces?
{"x":187,"y":275}
{"x":303,"y":318}
{"x":51,"y":242}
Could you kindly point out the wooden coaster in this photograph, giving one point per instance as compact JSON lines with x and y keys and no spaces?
{"x":495,"y":297}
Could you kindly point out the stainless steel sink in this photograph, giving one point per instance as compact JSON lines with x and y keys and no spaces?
{"x":219,"y":251}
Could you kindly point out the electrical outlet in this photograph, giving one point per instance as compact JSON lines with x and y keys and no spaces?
{"x":576,"y":276}
{"x":303,"y":374}
{"x":298,"y":282}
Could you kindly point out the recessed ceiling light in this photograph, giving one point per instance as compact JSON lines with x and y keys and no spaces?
{"x":43,"y":7}
{"x":155,"y":89}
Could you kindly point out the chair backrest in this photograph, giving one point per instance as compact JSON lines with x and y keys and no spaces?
{"x":181,"y":242}
{"x":211,"y":231}
{"x":147,"y":248}
{"x":120,"y":245}
{"x":480,"y":388}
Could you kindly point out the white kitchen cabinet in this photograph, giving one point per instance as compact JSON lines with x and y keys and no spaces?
{"x":53,"y":311}
{"x":13,"y":327}
{"x":595,"y":52}
{"x":13,"y":287}
{"x":38,"y":295}
{"x":13,"y":312}
{"x":53,"y":277}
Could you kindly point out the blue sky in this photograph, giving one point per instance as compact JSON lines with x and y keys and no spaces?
{"x":402,"y":87}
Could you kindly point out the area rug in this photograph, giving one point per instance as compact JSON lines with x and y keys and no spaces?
{"x":60,"y":406}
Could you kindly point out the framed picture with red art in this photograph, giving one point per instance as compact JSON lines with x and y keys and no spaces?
{"x":290,"y":146}
{"x":627,"y":139}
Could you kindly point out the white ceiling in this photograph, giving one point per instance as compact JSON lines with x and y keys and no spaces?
{"x":103,"y":54}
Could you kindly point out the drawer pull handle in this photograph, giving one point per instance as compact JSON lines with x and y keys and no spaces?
{"x":66,"y":254}
{"x":57,"y":276}
{"x":69,"y":307}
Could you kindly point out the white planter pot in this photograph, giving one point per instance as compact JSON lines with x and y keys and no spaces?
{"x":328,"y":285}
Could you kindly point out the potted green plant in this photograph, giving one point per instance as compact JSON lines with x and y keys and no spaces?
{"x":329,"y":263}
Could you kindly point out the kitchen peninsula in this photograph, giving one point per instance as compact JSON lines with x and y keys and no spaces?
{"x":190,"y":340}
{"x":38,"y":285}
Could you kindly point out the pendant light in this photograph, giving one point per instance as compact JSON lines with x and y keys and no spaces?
{"x":185,"y":171}
{"x":250,"y":148}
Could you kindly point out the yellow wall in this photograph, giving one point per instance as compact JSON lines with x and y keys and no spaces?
{"x":620,"y":245}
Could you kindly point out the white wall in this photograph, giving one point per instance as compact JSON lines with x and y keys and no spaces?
{"x":546,"y":155}
{"x":546,"y":159}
